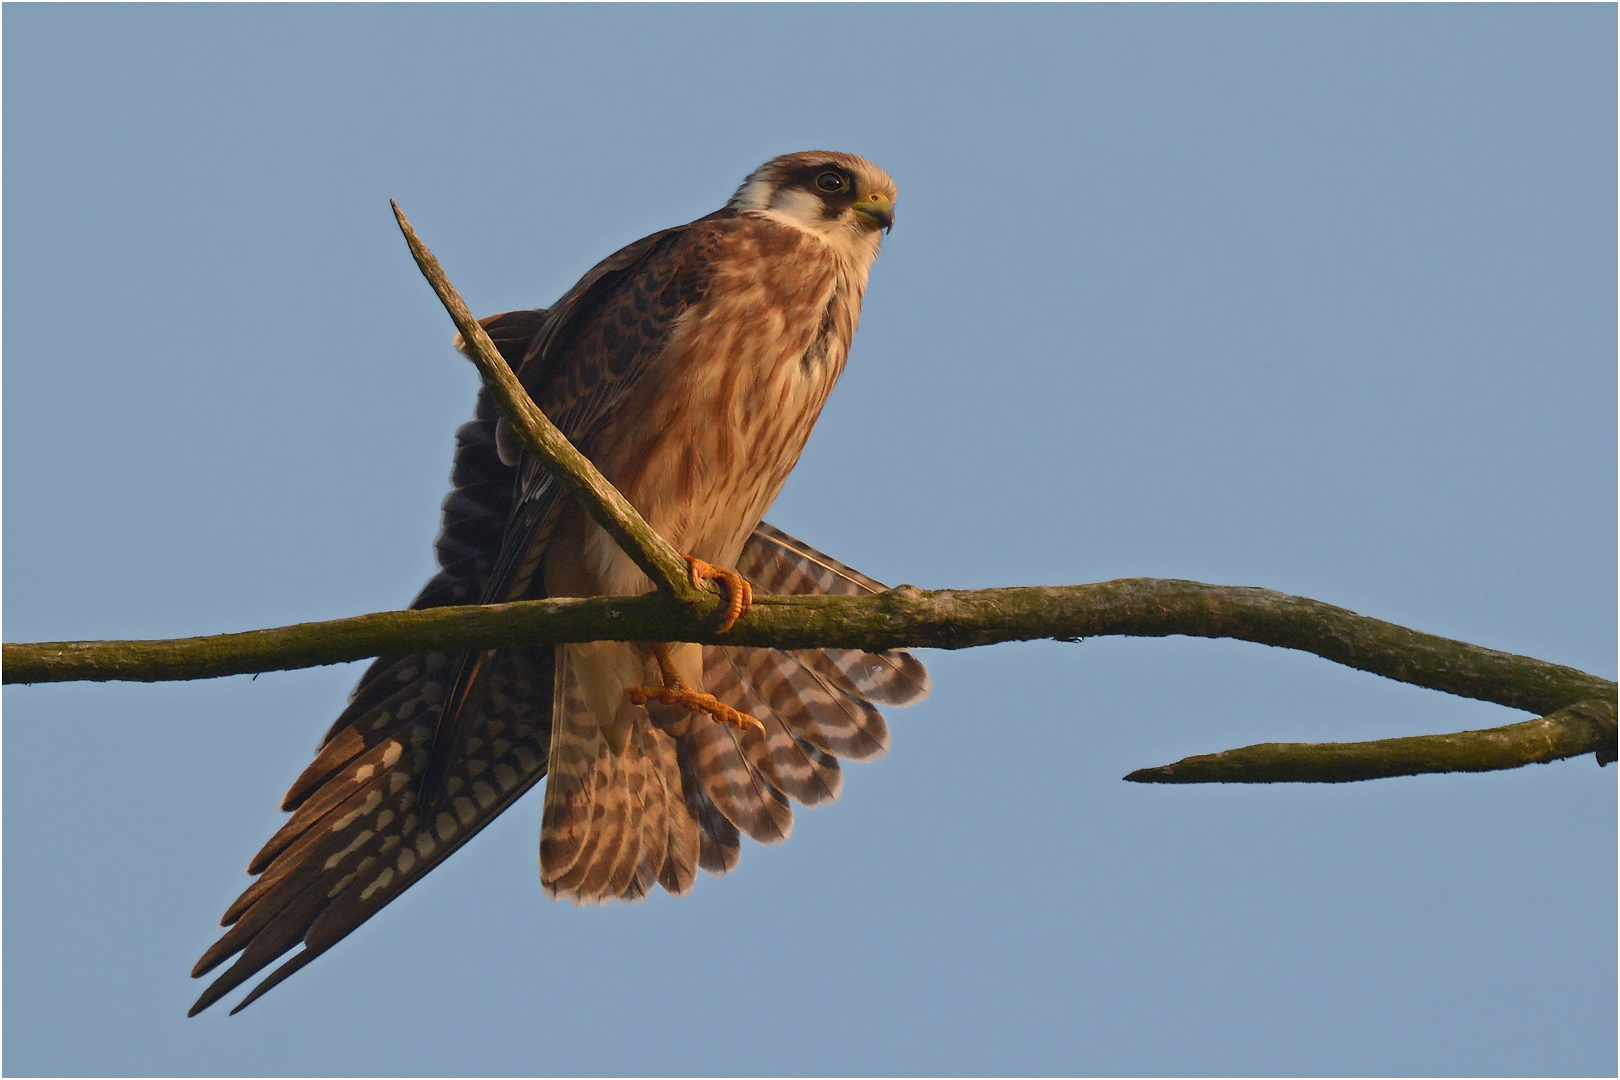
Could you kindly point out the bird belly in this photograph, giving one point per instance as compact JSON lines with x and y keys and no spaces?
{"x":701,"y":448}
{"x":708,"y":452}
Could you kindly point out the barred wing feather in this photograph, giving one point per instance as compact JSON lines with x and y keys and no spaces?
{"x":356,"y":841}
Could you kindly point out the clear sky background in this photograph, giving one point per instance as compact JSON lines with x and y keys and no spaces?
{"x":1315,"y":298}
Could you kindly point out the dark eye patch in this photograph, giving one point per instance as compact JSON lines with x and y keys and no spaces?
{"x":831,"y":183}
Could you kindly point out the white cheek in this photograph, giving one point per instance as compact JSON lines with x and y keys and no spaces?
{"x":755,"y":194}
{"x":801,"y":207}
{"x":804,"y":211}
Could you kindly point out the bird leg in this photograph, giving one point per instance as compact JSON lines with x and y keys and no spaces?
{"x":675,"y":691}
{"x":739,"y":594}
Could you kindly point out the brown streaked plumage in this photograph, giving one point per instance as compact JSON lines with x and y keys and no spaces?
{"x":690,"y":366}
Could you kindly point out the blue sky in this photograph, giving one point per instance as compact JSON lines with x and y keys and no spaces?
{"x":1314,"y":298}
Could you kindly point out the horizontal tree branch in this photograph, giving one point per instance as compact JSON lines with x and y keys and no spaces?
{"x":572,"y":469}
{"x":902,"y":617}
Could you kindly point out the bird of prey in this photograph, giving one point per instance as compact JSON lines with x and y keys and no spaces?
{"x":689,"y":367}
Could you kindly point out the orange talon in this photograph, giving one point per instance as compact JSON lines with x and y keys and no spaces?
{"x":739,"y":594}
{"x":676,"y":692}
{"x":694,"y":701}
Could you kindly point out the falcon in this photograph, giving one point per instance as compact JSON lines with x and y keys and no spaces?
{"x":690,"y":368}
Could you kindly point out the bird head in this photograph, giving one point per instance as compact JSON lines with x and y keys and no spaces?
{"x":844,"y":199}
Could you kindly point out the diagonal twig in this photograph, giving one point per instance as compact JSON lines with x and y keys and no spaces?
{"x":572,"y":469}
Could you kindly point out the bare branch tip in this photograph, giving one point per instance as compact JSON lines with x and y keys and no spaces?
{"x":1159,"y":775}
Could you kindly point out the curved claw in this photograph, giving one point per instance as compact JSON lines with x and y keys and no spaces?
{"x":694,"y":701}
{"x":739,"y":593}
{"x":676,"y":692}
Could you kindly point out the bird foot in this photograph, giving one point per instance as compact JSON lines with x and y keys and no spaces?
{"x":676,"y":692}
{"x":696,"y":702}
{"x":739,"y":594}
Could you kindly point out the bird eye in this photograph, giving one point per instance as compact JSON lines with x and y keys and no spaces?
{"x":830,"y":181}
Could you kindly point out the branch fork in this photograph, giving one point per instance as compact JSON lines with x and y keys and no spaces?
{"x":665,"y":566}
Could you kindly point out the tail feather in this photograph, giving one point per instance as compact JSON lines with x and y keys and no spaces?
{"x":629,"y":859}
{"x":720,"y":843}
{"x":616,"y":822}
{"x":616,"y":865}
{"x":734,"y":784}
{"x":684,"y":846}
{"x":578,"y":753}
{"x":891,"y":678}
{"x":655,"y":824}
{"x":825,"y":718}
{"x":587,"y":881}
{"x":782,"y":759}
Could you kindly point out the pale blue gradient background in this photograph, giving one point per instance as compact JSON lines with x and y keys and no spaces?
{"x":1317,"y":298}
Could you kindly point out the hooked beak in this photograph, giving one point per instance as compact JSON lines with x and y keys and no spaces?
{"x":876,"y":211}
